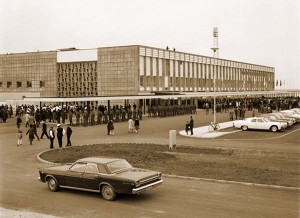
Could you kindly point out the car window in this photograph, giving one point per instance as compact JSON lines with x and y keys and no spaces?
{"x":253,"y":120}
{"x":91,"y":168}
{"x":102,"y":169}
{"x":78,"y":167}
{"x":118,"y":166}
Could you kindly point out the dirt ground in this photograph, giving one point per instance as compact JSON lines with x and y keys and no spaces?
{"x":253,"y":166}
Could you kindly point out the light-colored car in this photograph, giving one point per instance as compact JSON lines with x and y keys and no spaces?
{"x":259,"y":123}
{"x":281,"y":116}
{"x":291,"y":113}
{"x":273,"y":118}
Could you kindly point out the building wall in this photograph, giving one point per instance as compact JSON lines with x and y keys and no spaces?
{"x":124,"y":70}
{"x":118,"y":71}
{"x":33,"y":72}
{"x":164,"y":70}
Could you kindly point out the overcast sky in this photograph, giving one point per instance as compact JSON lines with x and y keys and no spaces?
{"x":264,"y":32}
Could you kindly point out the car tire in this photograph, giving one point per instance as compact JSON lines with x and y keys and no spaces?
{"x":244,"y":128}
{"x":108,"y":193}
{"x":52,"y":184}
{"x":274,"y":128}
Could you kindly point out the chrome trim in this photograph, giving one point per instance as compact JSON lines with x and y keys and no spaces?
{"x":39,"y":178}
{"x":146,"y":187}
{"x":80,"y":189}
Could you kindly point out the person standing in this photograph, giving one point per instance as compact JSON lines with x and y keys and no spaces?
{"x":44,"y":130}
{"x":51,"y":137}
{"x":191,"y":125}
{"x":19,"y":121}
{"x":137,"y":125}
{"x":187,"y":127}
{"x":130,"y":125}
{"x":20,"y":136}
{"x":69,"y":133}
{"x":60,"y":133}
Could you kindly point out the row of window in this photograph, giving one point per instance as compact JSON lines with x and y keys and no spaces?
{"x":20,"y":85}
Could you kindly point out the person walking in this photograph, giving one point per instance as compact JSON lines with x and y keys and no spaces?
{"x":34,"y":126}
{"x":44,"y":130}
{"x":136,"y":125}
{"x":20,"y":136}
{"x":69,"y":133}
{"x":51,"y":137}
{"x":30,"y":133}
{"x":60,"y":132}
{"x":191,"y":125}
{"x":130,"y":125}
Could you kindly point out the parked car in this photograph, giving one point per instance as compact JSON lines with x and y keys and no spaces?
{"x":291,"y":113}
{"x":108,"y":176}
{"x":273,"y":118}
{"x":259,"y":123}
{"x":281,"y":116}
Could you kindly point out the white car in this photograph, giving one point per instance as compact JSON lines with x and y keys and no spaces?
{"x":291,"y":113}
{"x":259,"y":123}
{"x":273,"y":118}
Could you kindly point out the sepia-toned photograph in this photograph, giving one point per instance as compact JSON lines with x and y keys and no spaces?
{"x":147,"y":109}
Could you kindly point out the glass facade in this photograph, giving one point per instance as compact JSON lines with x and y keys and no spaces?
{"x":177,"y":71}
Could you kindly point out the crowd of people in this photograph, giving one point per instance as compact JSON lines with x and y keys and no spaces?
{"x":55,"y":115}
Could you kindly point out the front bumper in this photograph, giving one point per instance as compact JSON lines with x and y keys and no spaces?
{"x":146,"y":187}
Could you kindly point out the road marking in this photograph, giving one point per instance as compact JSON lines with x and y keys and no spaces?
{"x":277,"y":137}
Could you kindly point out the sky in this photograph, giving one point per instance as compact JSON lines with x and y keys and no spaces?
{"x":264,"y":32}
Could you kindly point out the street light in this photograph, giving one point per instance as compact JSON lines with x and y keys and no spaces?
{"x":215,"y":49}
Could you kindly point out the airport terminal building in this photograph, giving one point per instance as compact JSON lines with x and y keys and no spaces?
{"x":124,"y":71}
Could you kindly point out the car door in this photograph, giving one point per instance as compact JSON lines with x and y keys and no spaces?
{"x":73,"y":176}
{"x":262,"y":124}
{"x":91,"y":177}
{"x":252,"y":124}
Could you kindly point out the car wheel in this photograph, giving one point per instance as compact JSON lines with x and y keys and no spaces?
{"x":244,"y":128}
{"x":108,"y":193}
{"x":52,"y":185}
{"x":274,"y":128}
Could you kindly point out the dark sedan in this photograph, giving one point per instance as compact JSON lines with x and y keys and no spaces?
{"x":109,"y":176}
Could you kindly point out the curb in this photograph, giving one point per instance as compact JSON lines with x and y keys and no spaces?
{"x":200,"y":179}
{"x":232,"y":182}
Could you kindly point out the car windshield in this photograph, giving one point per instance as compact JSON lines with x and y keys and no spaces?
{"x":118,"y":165}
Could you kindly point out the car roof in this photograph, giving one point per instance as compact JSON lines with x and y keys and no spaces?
{"x":100,"y":160}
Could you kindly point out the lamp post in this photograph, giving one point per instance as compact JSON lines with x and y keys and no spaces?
{"x":215,"y":49}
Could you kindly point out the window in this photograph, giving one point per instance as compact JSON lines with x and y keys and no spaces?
{"x":29,"y":84}
{"x":42,"y":84}
{"x":19,"y":84}
{"x":102,"y":169}
{"x":1,"y":84}
{"x":79,"y":167}
{"x":91,"y":168}
{"x":9,"y":84}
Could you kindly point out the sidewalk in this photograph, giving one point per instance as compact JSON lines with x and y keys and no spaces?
{"x":203,"y":132}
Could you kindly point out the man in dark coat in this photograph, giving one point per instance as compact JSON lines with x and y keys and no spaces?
{"x":69,"y":133}
{"x":60,"y":133}
{"x":191,"y":125}
{"x":44,"y":130}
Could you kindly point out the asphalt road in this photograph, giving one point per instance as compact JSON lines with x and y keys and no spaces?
{"x":21,"y":191}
